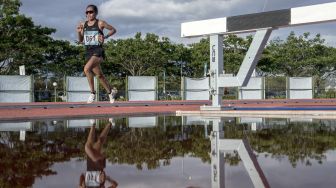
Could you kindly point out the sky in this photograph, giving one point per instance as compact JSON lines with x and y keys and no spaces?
{"x":162,"y":17}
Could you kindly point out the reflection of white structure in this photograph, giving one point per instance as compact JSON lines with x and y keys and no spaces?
{"x":300,"y":119}
{"x":263,"y":123}
{"x":195,"y":120}
{"x":80,"y":123}
{"x":254,"y":122}
{"x":267,"y":123}
{"x":273,"y":122}
{"x":21,"y":127}
{"x":219,"y":146}
{"x":142,"y":122}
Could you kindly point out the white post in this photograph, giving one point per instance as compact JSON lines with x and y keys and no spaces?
{"x":22,"y":135}
{"x":216,"y":68}
{"x":22,"y":70}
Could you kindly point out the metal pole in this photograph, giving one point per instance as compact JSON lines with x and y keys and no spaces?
{"x":55,"y":86}
{"x":55,"y":94}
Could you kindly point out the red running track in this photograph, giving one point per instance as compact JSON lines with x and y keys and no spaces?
{"x":63,"y":110}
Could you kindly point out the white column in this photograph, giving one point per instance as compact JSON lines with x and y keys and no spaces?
{"x":216,"y":68}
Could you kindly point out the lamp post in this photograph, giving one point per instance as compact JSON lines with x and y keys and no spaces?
{"x":55,"y":86}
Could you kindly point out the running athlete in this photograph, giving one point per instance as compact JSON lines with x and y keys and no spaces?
{"x":91,"y":35}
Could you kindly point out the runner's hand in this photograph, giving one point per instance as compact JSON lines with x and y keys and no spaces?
{"x":80,"y":27}
{"x":101,"y":39}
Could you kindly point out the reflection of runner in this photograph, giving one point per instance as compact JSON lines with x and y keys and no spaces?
{"x":91,"y":34}
{"x":96,"y":162}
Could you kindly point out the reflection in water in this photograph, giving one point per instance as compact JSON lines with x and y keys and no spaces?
{"x":96,"y":162}
{"x":169,"y":152}
{"x":142,"y":122}
{"x":23,"y":161}
{"x":300,"y":142}
{"x":220,"y":146}
{"x":21,"y":127}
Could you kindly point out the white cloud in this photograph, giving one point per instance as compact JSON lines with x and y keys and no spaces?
{"x":162,"y":17}
{"x":159,"y":10}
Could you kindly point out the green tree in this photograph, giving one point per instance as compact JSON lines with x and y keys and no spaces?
{"x":62,"y":58}
{"x":179,"y":59}
{"x":234,"y":51}
{"x":22,"y":43}
{"x":199,"y":56}
{"x":137,"y":56}
{"x":298,"y":56}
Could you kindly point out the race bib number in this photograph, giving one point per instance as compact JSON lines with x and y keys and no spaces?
{"x":91,"y":38}
{"x":92,"y":178}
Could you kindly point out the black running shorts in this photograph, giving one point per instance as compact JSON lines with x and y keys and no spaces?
{"x":95,"y":51}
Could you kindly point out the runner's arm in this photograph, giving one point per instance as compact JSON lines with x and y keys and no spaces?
{"x":109,"y":27}
{"x":113,"y":183}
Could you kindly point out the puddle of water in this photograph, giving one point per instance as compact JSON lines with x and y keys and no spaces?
{"x":169,"y":151}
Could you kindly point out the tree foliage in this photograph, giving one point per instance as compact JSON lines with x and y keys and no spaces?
{"x":62,"y":59}
{"x":24,"y":43}
{"x":234,"y":49}
{"x":298,"y":56}
{"x":199,"y":56}
{"x":139,"y":56}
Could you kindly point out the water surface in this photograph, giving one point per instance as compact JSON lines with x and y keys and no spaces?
{"x":168,"y":151}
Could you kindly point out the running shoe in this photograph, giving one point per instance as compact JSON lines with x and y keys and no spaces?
{"x":111,"y":120}
{"x":91,"y":98}
{"x":113,"y":94}
{"x":92,"y":121}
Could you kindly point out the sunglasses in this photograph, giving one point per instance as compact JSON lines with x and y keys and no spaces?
{"x":89,"y":12}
